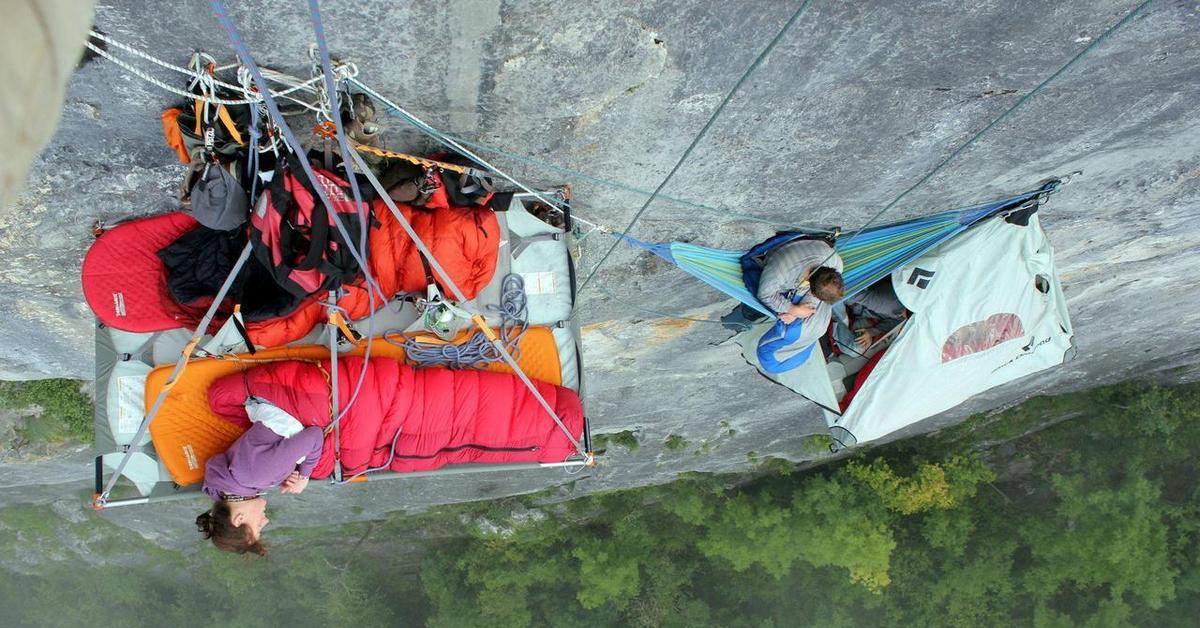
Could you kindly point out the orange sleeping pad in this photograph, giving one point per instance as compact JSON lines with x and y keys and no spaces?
{"x":186,"y":431}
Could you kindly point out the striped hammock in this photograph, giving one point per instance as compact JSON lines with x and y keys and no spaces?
{"x":867,"y":256}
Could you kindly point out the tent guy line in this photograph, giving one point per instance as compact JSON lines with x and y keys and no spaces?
{"x":700,"y":135}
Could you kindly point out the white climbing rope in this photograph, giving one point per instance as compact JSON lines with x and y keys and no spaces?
{"x":293,"y":85}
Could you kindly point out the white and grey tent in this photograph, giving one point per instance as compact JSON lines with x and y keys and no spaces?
{"x":986,"y":308}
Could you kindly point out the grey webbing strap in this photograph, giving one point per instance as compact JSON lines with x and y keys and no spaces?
{"x":458,"y":294}
{"x":334,"y":405}
{"x":523,"y":242}
{"x":179,"y":365}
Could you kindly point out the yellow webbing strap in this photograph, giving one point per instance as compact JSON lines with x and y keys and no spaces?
{"x":420,"y":161}
{"x":227,"y":120}
{"x":483,"y":327}
{"x":187,"y":358}
{"x":336,"y":319}
{"x":199,"y":104}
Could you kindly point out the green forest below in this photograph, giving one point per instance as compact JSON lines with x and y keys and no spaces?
{"x":1081,"y":509}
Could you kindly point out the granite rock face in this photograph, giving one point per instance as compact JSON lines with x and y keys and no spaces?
{"x":857,"y":103}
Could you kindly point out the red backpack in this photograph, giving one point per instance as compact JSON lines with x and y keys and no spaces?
{"x":294,"y":234}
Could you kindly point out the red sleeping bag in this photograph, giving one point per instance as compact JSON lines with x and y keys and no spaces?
{"x":444,"y":416}
{"x":125,"y":282}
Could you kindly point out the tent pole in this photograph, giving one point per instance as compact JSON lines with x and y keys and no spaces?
{"x":334,"y":405}
{"x":469,"y":468}
{"x":152,"y":499}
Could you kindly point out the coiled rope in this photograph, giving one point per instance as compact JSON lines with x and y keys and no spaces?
{"x":477,"y":351}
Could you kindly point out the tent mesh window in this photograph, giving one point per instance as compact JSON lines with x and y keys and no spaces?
{"x":982,"y":335}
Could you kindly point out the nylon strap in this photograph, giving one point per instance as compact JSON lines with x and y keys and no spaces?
{"x":413,"y":159}
{"x":227,"y":120}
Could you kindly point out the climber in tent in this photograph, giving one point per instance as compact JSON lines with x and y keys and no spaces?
{"x":864,"y":318}
{"x":276,"y":451}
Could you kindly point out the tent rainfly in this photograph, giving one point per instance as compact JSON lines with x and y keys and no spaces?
{"x":986,"y":308}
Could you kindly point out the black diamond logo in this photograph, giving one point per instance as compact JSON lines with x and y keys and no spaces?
{"x":920,"y":277}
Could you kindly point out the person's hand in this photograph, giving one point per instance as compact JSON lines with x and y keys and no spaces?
{"x":802,"y":310}
{"x":787,"y":318}
{"x":863,"y":340}
{"x":294,"y":484}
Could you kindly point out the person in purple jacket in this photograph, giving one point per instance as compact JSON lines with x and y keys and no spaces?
{"x":276,"y":451}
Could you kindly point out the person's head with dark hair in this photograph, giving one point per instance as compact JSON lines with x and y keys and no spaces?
{"x":234,"y":526}
{"x":826,"y":284}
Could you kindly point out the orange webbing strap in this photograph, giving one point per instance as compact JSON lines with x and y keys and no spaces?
{"x":227,"y":120}
{"x":413,"y":159}
{"x":187,"y":357}
{"x":339,"y":321}
{"x":488,"y":332}
{"x":199,"y":104}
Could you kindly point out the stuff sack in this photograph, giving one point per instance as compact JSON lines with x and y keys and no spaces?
{"x":218,"y":200}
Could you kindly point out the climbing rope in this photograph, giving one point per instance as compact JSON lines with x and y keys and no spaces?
{"x":477,"y":351}
{"x":252,"y":96}
{"x":617,"y":185}
{"x":349,"y":71}
{"x":699,"y":136}
{"x":991,"y":125}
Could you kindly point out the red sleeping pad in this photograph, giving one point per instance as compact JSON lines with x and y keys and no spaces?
{"x":444,"y":416}
{"x":125,"y":282}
